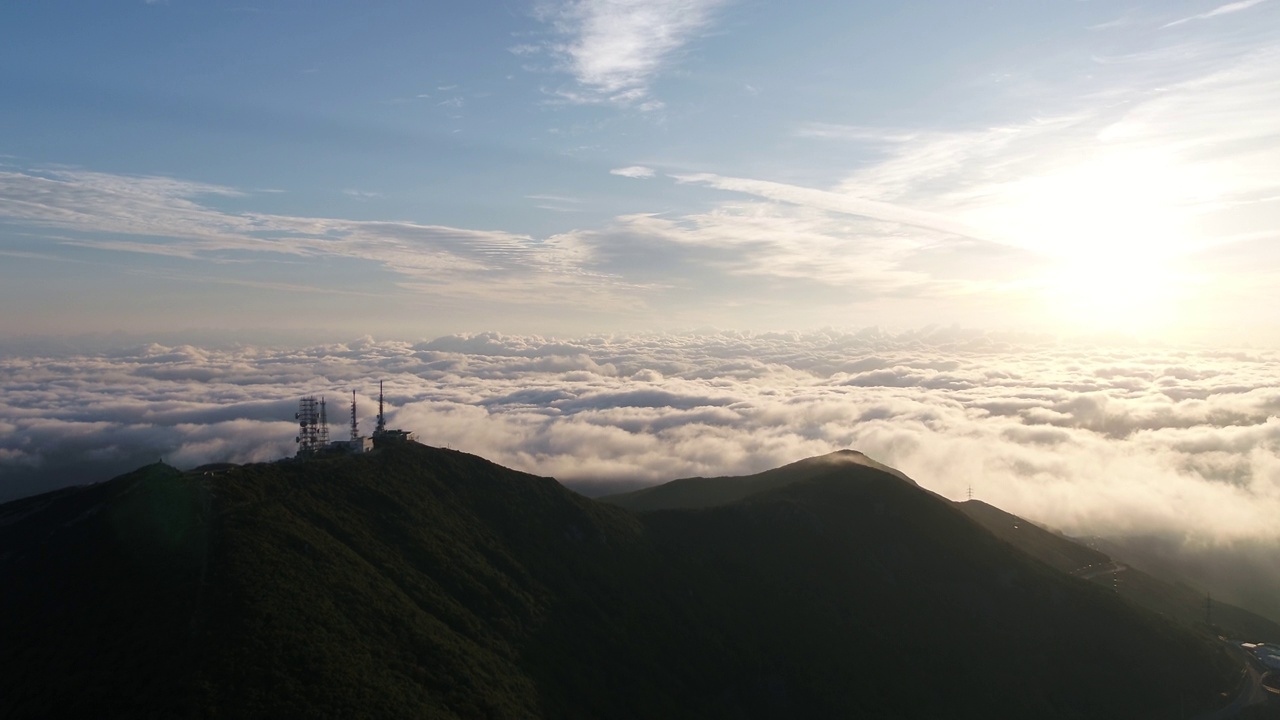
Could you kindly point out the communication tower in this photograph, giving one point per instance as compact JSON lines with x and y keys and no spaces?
{"x":382,"y":436}
{"x":322,"y":432}
{"x":382,"y":423}
{"x":308,"y":417}
{"x":355,"y":425}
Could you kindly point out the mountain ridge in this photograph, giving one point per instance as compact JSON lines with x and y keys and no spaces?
{"x":418,"y":580}
{"x":697,"y":492}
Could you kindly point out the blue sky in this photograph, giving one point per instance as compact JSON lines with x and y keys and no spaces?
{"x":411,"y":169}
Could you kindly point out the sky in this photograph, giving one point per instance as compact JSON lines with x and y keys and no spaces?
{"x":326,"y":170}
{"x":1025,"y":247}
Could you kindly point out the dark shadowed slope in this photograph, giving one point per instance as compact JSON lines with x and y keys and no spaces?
{"x":101,"y":597}
{"x":881,"y":595}
{"x":1244,"y":572}
{"x":1046,"y":546}
{"x":424,"y":582}
{"x":701,"y":492}
{"x":1176,"y":601}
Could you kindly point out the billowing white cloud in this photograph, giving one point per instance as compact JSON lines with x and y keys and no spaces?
{"x":1091,"y":439}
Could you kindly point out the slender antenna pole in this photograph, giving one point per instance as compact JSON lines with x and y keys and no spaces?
{"x":355,"y":428}
{"x":322,"y":438}
{"x":382,"y":423}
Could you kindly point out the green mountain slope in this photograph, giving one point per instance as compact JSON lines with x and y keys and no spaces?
{"x":425,"y":582}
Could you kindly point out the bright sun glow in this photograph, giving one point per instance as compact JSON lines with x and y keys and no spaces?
{"x":1113,"y":295}
{"x":1112,"y":225}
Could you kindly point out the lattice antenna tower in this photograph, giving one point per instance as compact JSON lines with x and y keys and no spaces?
{"x":382,"y":422}
{"x":322,"y":432}
{"x":308,"y":417}
{"x":355,"y":426}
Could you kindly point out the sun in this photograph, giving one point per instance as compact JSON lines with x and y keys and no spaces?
{"x":1113,"y":227}
{"x":1110,"y":295}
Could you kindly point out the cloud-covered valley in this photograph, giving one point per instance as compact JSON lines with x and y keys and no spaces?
{"x":1088,"y":438}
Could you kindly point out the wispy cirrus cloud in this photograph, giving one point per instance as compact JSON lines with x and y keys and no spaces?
{"x":1227,"y":9}
{"x":171,"y":218}
{"x":631,"y":267}
{"x":616,"y":48}
{"x":841,"y":202}
{"x":857,"y":133}
{"x":1170,"y":156}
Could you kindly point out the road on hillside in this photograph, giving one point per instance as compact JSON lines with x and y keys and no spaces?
{"x":1092,"y":571}
{"x":1251,"y":694}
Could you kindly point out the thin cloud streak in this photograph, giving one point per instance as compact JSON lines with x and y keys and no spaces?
{"x":164,"y":217}
{"x":1220,"y":10}
{"x":633,"y":171}
{"x":835,"y":202}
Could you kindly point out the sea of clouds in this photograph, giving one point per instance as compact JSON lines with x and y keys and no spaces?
{"x":1089,"y":438}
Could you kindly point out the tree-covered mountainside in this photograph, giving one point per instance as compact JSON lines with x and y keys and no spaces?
{"x":415,"y":581}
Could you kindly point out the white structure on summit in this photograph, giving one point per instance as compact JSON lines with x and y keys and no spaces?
{"x":313,"y":430}
{"x":383,"y":436}
{"x":357,"y":444}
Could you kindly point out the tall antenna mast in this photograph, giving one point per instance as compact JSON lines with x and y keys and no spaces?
{"x":382,"y":423}
{"x":970,"y":491}
{"x":355,"y":427}
{"x":322,"y":432}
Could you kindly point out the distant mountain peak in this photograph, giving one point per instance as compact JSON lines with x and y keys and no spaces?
{"x":850,"y":457}
{"x":708,"y":492}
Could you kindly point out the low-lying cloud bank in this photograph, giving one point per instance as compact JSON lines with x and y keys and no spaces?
{"x":1091,"y":439}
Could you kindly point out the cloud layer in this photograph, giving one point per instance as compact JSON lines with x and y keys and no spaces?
{"x":1091,"y":439}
